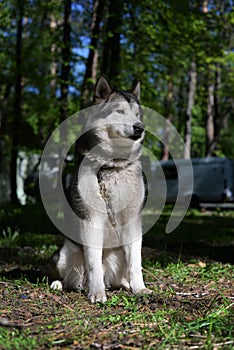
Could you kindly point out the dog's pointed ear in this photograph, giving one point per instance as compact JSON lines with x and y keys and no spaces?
{"x":102,"y":90}
{"x":137,"y":90}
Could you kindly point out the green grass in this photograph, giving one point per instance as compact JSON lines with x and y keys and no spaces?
{"x":214,"y":227}
{"x":17,"y":340}
{"x":170,"y":318}
{"x":174,"y":317}
{"x":192,"y":305}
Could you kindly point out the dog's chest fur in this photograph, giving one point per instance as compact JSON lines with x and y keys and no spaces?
{"x":122,"y":192}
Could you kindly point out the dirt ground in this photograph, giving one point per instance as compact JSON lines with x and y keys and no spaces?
{"x":67,"y":320}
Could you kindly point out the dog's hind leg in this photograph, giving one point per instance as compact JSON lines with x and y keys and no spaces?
{"x":114,"y":266}
{"x":71,"y":267}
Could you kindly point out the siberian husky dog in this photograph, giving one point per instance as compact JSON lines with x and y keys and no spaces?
{"x":107,"y":196}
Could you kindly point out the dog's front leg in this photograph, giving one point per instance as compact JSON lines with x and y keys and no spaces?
{"x":133,"y":260}
{"x":93,"y":258}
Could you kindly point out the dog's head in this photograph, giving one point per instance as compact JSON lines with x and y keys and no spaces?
{"x":114,"y":128}
{"x":121,"y":109}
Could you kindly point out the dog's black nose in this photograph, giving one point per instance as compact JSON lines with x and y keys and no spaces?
{"x":138,"y":129}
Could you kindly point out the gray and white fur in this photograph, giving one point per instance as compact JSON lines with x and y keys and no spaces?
{"x":107,"y":196}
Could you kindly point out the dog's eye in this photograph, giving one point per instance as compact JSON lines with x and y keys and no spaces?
{"x":120,"y":111}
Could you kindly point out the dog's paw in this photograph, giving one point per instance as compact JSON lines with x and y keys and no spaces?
{"x":125,"y":285}
{"x":56,"y":285}
{"x":143,"y":291}
{"x":98,"y":297}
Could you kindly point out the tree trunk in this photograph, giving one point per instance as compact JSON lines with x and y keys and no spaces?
{"x":213,"y":124}
{"x":4,"y":97}
{"x":54,"y":64}
{"x":168,"y":105}
{"x":210,"y":120}
{"x":214,"y":115}
{"x":64,"y":85}
{"x":205,"y":6}
{"x":66,"y":56}
{"x":181,"y":104}
{"x":17,"y":103}
{"x":91,"y":65}
{"x":111,"y":51}
{"x":191,"y":98}
{"x":217,"y":112}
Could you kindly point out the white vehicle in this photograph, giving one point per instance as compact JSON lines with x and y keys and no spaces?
{"x":213,"y":179}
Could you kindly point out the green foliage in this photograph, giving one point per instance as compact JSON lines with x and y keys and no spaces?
{"x":16,"y":218}
{"x":9,"y":237}
{"x":158,"y":41}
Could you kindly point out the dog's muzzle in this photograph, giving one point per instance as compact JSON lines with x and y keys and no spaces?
{"x":138,"y":130}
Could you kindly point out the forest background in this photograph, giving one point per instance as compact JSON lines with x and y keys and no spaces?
{"x":52,"y":52}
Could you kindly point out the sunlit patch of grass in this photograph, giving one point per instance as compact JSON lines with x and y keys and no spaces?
{"x":17,"y":340}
